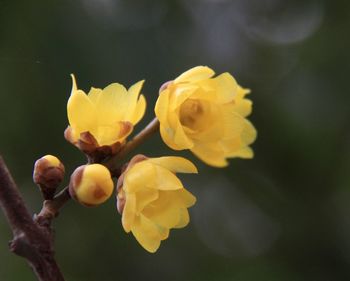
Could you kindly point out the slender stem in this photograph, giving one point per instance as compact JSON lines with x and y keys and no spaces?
{"x":51,"y":208}
{"x":30,"y":240}
{"x":149,"y":130}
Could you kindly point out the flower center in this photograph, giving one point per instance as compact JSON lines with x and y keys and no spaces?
{"x":192,"y":114}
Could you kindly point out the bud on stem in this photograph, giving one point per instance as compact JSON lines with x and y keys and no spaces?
{"x":48,"y":174}
{"x":91,"y":185}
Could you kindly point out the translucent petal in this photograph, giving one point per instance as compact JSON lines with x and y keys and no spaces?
{"x":184,"y":218}
{"x":180,"y":94}
{"x":226,"y":87}
{"x":94,"y":95}
{"x":231,"y":146}
{"x":146,"y":233}
{"x":165,"y":211}
{"x":112,"y":104}
{"x":241,"y":105}
{"x":134,"y":107}
{"x":233,"y":123}
{"x":74,"y":84}
{"x":129,"y":212}
{"x":175,"y":164}
{"x":81,"y":112}
{"x":195,"y":74}
{"x":167,"y":135}
{"x":206,"y":91}
{"x":163,"y":232}
{"x":185,"y":197}
{"x":181,"y":139}
{"x":134,"y":91}
{"x":109,"y":134}
{"x":141,"y":175}
{"x":162,"y":108}
{"x":210,"y":153}
{"x":166,"y":180}
{"x":144,"y":197}
{"x":245,"y":152}
{"x":249,"y":133}
{"x":139,"y":110}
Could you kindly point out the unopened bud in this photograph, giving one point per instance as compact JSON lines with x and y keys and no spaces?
{"x":48,"y":174}
{"x":91,"y":185}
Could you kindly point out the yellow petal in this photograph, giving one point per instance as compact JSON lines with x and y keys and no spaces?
{"x":206,"y":91}
{"x":74,"y":84}
{"x":175,"y":164}
{"x":181,"y":140}
{"x":231,"y":146}
{"x":144,"y":197}
{"x":167,"y":134}
{"x":166,"y":180}
{"x":233,"y":123}
{"x":134,"y":91}
{"x":238,"y":146}
{"x":184,"y":218}
{"x":94,"y":95}
{"x":185,"y":197}
{"x":180,"y":94}
{"x":226,"y":87}
{"x":210,"y":153}
{"x":139,"y":110}
{"x":195,"y":74}
{"x":249,"y":133}
{"x":141,"y":175}
{"x":110,"y":134}
{"x":134,"y":106}
{"x":162,"y":108}
{"x":146,"y":233}
{"x":242,"y":105}
{"x":129,"y":212}
{"x":81,"y":112}
{"x":111,"y":104}
{"x":165,"y":211}
{"x":245,"y":152}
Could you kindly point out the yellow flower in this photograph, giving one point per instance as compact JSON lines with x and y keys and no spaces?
{"x":91,"y":185}
{"x":153,"y":199}
{"x":108,"y":115}
{"x":206,"y":115}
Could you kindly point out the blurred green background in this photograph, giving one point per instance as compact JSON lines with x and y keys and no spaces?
{"x":282,"y":216}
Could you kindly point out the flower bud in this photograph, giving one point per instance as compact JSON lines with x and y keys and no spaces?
{"x":48,"y":174}
{"x":91,"y":185}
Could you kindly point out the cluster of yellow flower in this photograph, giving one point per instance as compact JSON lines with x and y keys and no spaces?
{"x":195,"y":111}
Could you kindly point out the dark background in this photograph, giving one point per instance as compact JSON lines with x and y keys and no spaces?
{"x":282,"y":216}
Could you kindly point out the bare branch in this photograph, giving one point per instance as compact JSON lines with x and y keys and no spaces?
{"x":30,"y":240}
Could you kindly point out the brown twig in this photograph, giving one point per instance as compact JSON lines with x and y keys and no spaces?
{"x":51,"y":208}
{"x":30,"y":239}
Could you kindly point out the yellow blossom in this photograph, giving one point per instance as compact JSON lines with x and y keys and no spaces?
{"x":91,"y":184}
{"x":153,"y":199}
{"x":206,"y":115}
{"x":107,"y":114}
